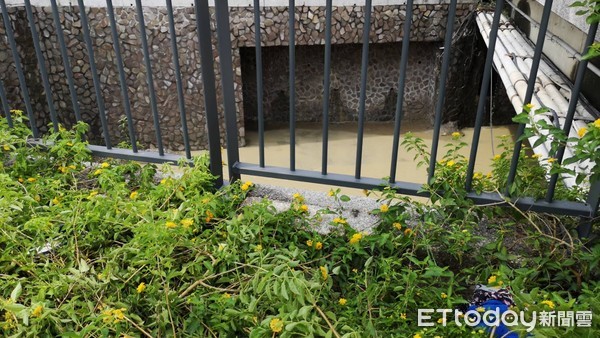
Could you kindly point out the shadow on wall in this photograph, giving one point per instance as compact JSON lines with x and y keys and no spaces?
{"x":383,"y":73}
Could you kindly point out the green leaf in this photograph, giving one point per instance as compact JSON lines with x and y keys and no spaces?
{"x":16,"y":292}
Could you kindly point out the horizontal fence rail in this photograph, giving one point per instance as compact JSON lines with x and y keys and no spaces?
{"x":213,"y":37}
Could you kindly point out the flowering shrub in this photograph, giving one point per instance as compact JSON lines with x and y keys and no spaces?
{"x":112,"y":249}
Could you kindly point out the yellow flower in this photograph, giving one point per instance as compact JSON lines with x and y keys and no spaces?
{"x":226,"y":295}
{"x":92,"y":194}
{"x":276,"y":325}
{"x":342,"y":301}
{"x":6,"y":147}
{"x":549,"y":303}
{"x":339,"y":220}
{"x":209,"y":216}
{"x":105,"y":165}
{"x":384,"y":208}
{"x":529,"y":106}
{"x":551,"y":160}
{"x":417,"y":336}
{"x":69,"y":144}
{"x":98,"y":172}
{"x":355,"y":270}
{"x":581,"y":132}
{"x":171,"y":224}
{"x":324,"y":273}
{"x":113,"y":315}
{"x":456,"y":134}
{"x":356,"y":238}
{"x":497,"y":157}
{"x":407,"y":232}
{"x":298,"y":197}
{"x":187,"y":222}
{"x":318,"y":246}
{"x":489,"y":175}
{"x":403,"y":316}
{"x":478,"y":175}
{"x":536,"y":156}
{"x":441,"y":321}
{"x":444,"y":295}
{"x":222,"y":246}
{"x":72,"y":167}
{"x":141,"y":288}
{"x":55,"y":201}
{"x":450,"y":163}
{"x":309,"y":243}
{"x":597,"y":123}
{"x":31,"y":179}
{"x":133,"y":195}
{"x":21,"y":180}
{"x":397,"y":225}
{"x":480,"y":309}
{"x":330,"y":193}
{"x":37,"y":311}
{"x":258,"y":248}
{"x":304,"y":208}
{"x":246,"y":185}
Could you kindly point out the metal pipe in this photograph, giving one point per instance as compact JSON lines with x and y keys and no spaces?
{"x":399,"y":114}
{"x":363,"y":87}
{"x":122,"y":79}
{"x":149,"y":80}
{"x":292,"y":67}
{"x":572,"y":105}
{"x":97,"y":88}
{"x":326,"y":86}
{"x":224,"y":46}
{"x":442,"y":91}
{"x":42,"y":65}
{"x":179,"y":82}
{"x":4,"y":106}
{"x":208,"y":84}
{"x":10,"y":36}
{"x":66,"y":62}
{"x":259,"y":84}
{"x":485,"y":86}
{"x":537,"y":56}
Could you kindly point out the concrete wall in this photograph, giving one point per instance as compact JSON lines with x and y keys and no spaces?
{"x":572,"y":29}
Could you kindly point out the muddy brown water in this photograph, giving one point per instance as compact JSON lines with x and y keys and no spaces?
{"x":377,"y":148}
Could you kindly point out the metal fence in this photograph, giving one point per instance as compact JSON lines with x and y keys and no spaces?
{"x":588,"y":211}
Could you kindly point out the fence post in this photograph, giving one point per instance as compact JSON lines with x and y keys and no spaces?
{"x":593,"y":200}
{"x":224,"y":47}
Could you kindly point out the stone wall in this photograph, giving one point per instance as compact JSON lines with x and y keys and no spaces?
{"x":428,"y":26}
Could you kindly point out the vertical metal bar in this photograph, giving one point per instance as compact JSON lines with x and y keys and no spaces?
{"x":41,"y":64}
{"x":149,"y":79}
{"x":537,"y":56}
{"x":182,"y":113}
{"x":259,"y":85}
{"x":4,"y":105}
{"x":572,"y":105}
{"x":485,"y":85}
{"x":363,"y":88}
{"x":66,"y":63}
{"x":225,"y":60}
{"x":122,"y":78}
{"x":208,"y":83}
{"x":95,"y":78}
{"x":292,"y":67}
{"x":326,"y":85}
{"x":442,"y":91}
{"x":585,"y":227}
{"x":10,"y":36}
{"x":399,"y":114}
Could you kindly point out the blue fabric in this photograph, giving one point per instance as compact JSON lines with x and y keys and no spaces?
{"x":502,"y":330}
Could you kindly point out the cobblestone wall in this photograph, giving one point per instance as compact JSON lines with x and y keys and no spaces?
{"x":428,"y":26}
